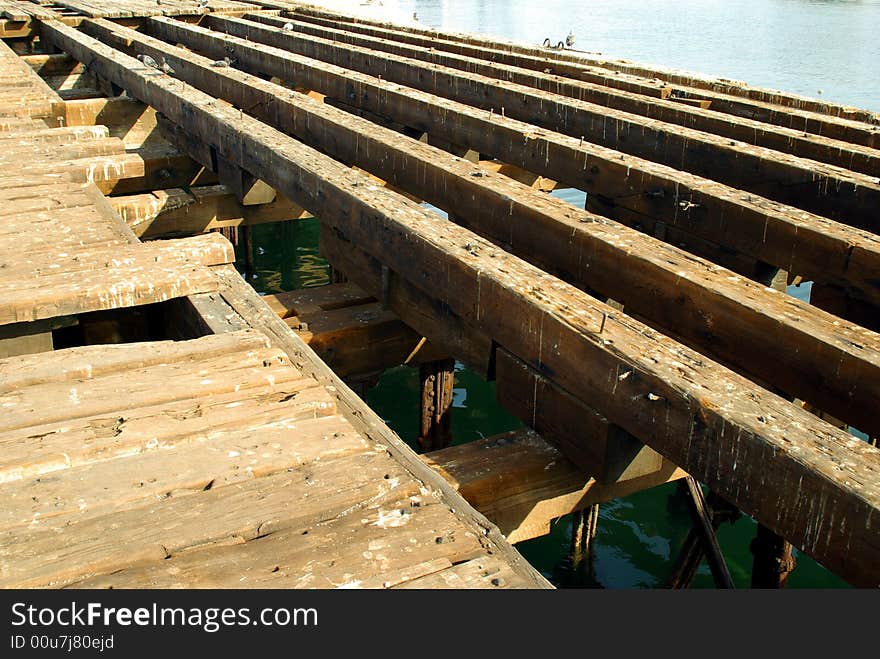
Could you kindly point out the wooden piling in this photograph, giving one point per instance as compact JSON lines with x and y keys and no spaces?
{"x":774,"y":559}
{"x":436,"y":380}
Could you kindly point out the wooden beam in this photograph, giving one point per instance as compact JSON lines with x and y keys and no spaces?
{"x":523,"y":483}
{"x":693,"y":411}
{"x":349,"y":330}
{"x":655,"y":105}
{"x":793,"y":346}
{"x":182,"y":212}
{"x":815,"y":187}
{"x":729,"y":88}
{"x":631,"y":190}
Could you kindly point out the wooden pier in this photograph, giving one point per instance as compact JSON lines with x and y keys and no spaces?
{"x":165,"y":426}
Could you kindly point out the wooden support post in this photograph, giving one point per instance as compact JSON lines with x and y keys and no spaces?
{"x":337,"y":276}
{"x":710,"y":543}
{"x":436,"y":380}
{"x":247,"y":245}
{"x":691,"y":554}
{"x":773,"y":559}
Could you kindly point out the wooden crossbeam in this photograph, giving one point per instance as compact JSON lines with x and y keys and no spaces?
{"x":632,"y":190}
{"x":698,"y":414}
{"x":815,"y":187}
{"x":706,"y":306}
{"x":731,"y":88}
{"x":350,"y":330}
{"x":182,"y":212}
{"x":61,"y":284}
{"x":522,"y":483}
{"x":859,"y":158}
{"x":630,"y":77}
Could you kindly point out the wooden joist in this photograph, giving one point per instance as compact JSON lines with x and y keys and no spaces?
{"x":522,"y":483}
{"x":349,"y":329}
{"x":816,"y":187}
{"x":632,"y":190}
{"x":707,"y":307}
{"x":865,"y":159}
{"x":199,"y":209}
{"x":731,"y":88}
{"x":640,"y":80}
{"x":698,"y":414}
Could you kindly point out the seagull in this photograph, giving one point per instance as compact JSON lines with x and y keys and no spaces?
{"x":569,"y":40}
{"x":149,"y":61}
{"x":287,"y":26}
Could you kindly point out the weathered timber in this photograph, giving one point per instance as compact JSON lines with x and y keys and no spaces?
{"x":679,"y":402}
{"x":429,"y":317}
{"x":62,"y":284}
{"x":703,"y":521}
{"x":705,"y":306}
{"x":522,"y":483}
{"x":728,"y":87}
{"x":815,"y":187}
{"x":598,"y":447}
{"x":773,"y":560}
{"x":644,"y":82}
{"x":628,"y":189}
{"x":199,"y":209}
{"x":436,"y":380}
{"x":863,"y":159}
{"x":349,"y":330}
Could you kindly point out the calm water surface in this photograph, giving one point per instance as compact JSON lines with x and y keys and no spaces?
{"x":829,"y":49}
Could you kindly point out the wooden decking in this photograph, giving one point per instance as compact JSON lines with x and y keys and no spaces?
{"x":208,"y":462}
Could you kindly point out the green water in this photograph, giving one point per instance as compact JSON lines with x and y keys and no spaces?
{"x":638,"y":536}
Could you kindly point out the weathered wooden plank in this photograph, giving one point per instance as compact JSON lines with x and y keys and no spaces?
{"x":729,"y":87}
{"x":627,"y":189}
{"x":221,"y":458}
{"x":350,"y":549}
{"x":119,"y":277}
{"x":39,"y":450}
{"x":236,"y":513}
{"x":706,"y":307}
{"x":677,"y":401}
{"x":813,"y":186}
{"x":207,"y":250}
{"x":522,"y":483}
{"x":485,"y":572}
{"x":864,"y":159}
{"x":52,"y":136}
{"x":86,"y":362}
{"x":644,"y":82}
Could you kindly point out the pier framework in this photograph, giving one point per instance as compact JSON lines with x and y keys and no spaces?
{"x":644,"y":338}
